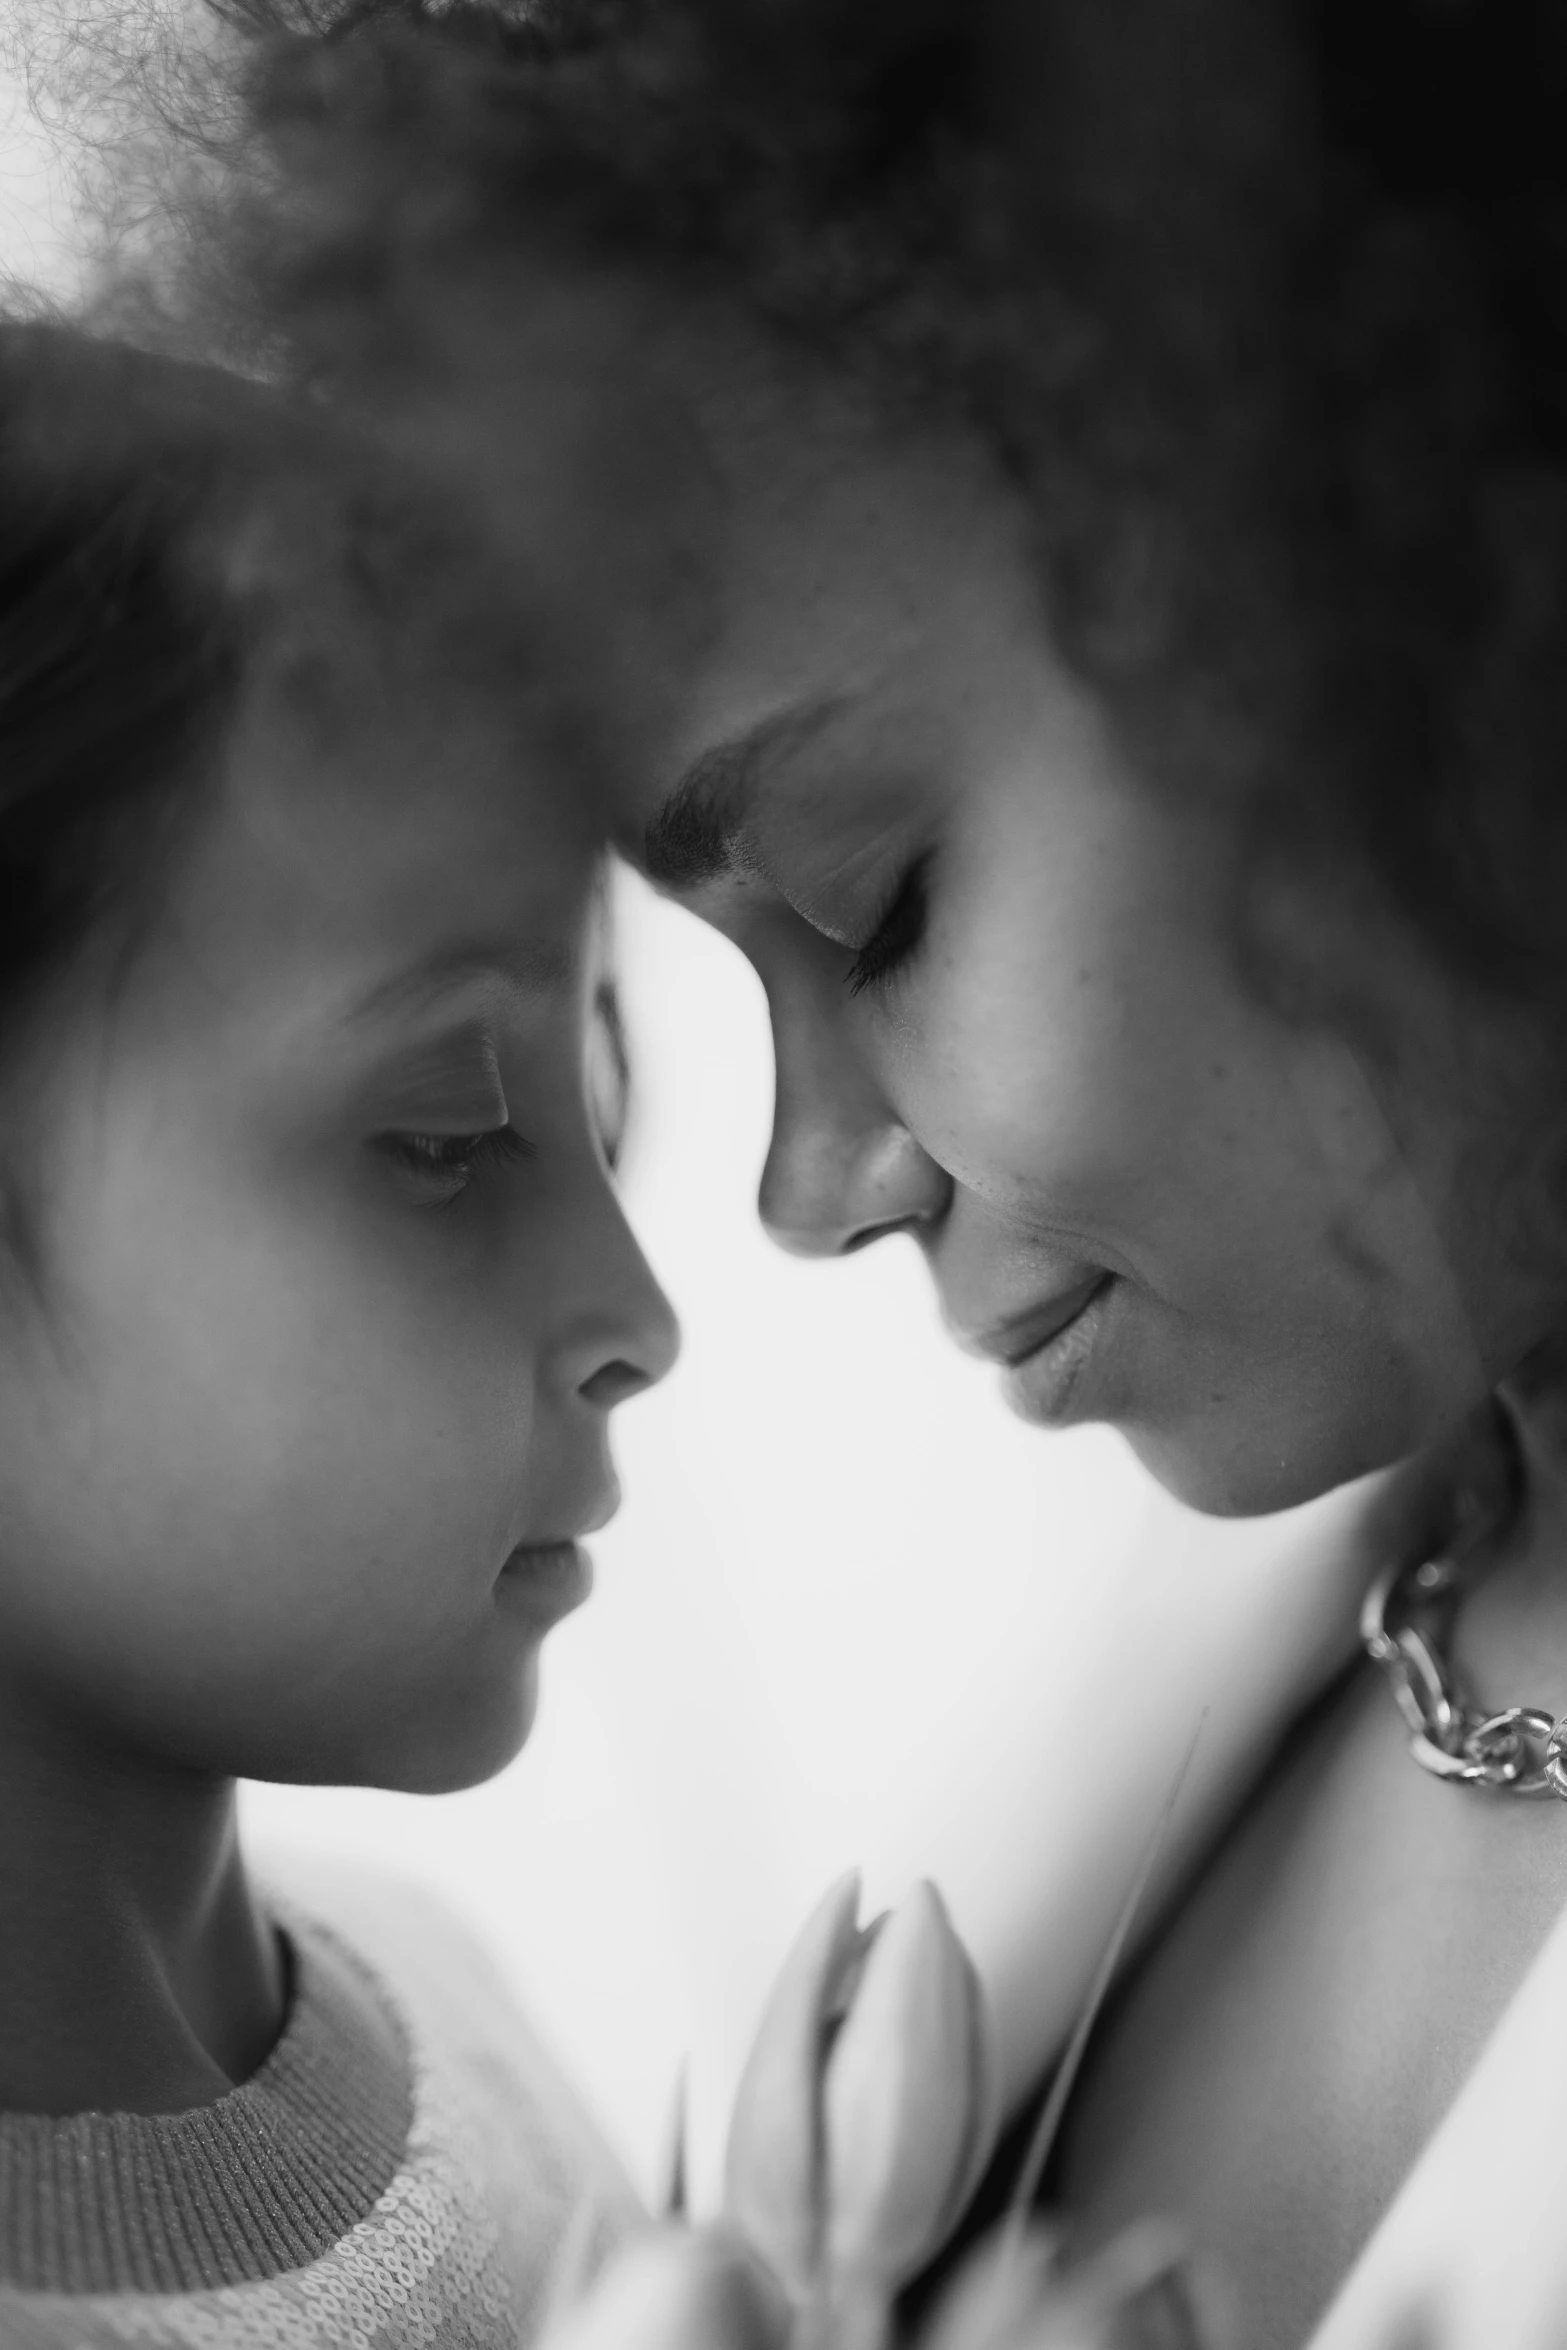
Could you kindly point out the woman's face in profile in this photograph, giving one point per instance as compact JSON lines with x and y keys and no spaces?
{"x":1009,"y":1016}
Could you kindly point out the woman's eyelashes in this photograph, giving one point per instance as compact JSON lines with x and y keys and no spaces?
{"x":443,"y":1166}
{"x":898,"y":931}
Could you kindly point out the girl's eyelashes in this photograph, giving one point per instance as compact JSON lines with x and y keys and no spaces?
{"x":446,"y":1164}
{"x":898,"y":933}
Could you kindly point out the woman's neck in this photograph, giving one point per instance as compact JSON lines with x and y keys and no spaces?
{"x":1512,"y":1631}
{"x":136,"y":1973}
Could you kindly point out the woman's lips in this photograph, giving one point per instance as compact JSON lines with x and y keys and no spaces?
{"x":1020,"y":1335}
{"x":549,"y":1578}
{"x":1045,"y":1371}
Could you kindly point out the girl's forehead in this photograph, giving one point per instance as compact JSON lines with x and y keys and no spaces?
{"x":401,"y":846}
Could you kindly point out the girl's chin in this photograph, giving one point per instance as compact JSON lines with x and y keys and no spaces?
{"x":458,"y":1739}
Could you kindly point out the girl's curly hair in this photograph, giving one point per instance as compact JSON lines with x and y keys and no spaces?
{"x":174,"y":546}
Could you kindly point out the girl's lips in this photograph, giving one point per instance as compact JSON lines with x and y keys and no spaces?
{"x":1042,"y":1382}
{"x":549,"y":1578}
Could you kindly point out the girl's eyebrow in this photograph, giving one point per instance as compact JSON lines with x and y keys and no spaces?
{"x":455,"y":1074}
{"x":520,"y":967}
{"x":692,"y":836}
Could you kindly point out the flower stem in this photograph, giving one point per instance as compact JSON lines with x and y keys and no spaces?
{"x":843,"y":2316}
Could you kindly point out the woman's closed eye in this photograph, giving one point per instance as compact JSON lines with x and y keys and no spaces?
{"x":442,"y":1166}
{"x":898,"y":932}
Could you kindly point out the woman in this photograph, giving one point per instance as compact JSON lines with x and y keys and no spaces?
{"x":1115,"y":699}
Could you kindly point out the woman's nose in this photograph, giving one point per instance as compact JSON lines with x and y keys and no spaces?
{"x":842,"y":1169}
{"x":829,"y":1189}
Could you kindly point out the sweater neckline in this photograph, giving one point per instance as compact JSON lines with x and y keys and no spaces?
{"x":264,"y":2179}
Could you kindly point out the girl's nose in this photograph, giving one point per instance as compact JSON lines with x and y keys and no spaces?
{"x":615,"y":1382}
{"x":628,"y":1339}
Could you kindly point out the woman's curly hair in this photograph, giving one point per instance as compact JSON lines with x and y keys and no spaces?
{"x":1261,"y":303}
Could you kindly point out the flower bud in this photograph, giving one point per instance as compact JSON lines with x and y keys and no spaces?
{"x":907,"y":2104}
{"x":864,"y":2114}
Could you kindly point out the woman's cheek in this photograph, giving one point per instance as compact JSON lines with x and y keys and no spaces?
{"x":1015,"y":1096}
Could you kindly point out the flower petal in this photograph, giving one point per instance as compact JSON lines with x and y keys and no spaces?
{"x":773,"y":2170}
{"x":985,"y":2117}
{"x":906,"y":2098}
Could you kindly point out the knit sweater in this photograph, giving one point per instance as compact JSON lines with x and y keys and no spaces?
{"x":406,"y":2168}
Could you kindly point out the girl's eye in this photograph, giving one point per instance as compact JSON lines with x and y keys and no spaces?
{"x":899,"y":931}
{"x":448,"y":1163}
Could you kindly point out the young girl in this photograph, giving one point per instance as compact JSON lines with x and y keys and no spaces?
{"x":315,"y":1302}
{"x":1128,"y":741}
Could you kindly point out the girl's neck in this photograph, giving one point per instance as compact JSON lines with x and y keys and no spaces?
{"x":136,"y":1972}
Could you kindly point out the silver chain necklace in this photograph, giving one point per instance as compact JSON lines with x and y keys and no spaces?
{"x":1406,"y":1624}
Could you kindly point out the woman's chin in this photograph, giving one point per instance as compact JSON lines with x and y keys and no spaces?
{"x":1224,"y":1473}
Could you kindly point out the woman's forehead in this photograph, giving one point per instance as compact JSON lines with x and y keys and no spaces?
{"x":867,"y":625}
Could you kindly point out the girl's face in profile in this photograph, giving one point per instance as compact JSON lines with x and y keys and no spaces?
{"x":307,"y":1399}
{"x":1008,"y":1011}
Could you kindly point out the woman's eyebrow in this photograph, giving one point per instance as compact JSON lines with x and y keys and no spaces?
{"x":692,"y":836}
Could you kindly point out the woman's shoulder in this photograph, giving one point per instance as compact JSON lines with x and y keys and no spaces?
{"x":1497,"y":2164}
{"x":1318,"y":2013}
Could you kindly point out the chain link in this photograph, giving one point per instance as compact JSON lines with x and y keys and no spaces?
{"x":1406,"y":1624}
